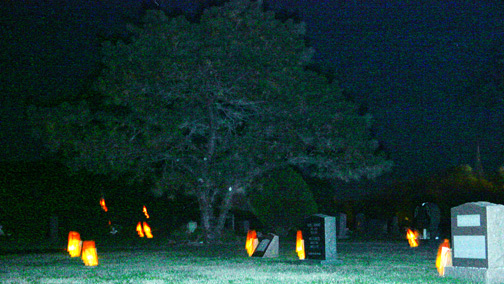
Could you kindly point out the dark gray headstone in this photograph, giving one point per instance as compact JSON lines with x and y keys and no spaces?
{"x":267,"y":247}
{"x":477,"y":242}
{"x":376,"y":228}
{"x":53,"y":228}
{"x":394,"y":227}
{"x":342,"y":226}
{"x":319,"y":234}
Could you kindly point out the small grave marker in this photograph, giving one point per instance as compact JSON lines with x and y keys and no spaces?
{"x":319,"y":234}
{"x":267,"y":247}
{"x":360,"y":223}
{"x":478,"y":242}
{"x":394,"y":227}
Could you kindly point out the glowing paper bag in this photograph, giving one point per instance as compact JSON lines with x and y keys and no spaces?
{"x":89,"y":254}
{"x":252,"y":242}
{"x":300,"y":245}
{"x":74,"y":244}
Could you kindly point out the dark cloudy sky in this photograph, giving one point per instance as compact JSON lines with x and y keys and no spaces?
{"x":419,"y":66}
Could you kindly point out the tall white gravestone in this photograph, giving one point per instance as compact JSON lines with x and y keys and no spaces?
{"x":478,"y":242}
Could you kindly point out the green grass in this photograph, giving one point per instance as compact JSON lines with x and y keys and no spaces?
{"x":362,"y":262}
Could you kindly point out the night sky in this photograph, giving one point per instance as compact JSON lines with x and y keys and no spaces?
{"x":418,"y":66}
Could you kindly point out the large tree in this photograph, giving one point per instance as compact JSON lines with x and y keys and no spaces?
{"x":208,"y":107}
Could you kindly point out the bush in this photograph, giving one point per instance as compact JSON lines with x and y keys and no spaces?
{"x":282,"y":200}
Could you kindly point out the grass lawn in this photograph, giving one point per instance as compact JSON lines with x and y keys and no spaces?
{"x":362,"y":262}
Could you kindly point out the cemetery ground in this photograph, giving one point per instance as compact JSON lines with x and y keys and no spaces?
{"x":152,"y":261}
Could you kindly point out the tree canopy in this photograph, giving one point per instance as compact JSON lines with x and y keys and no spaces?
{"x":209,"y":107}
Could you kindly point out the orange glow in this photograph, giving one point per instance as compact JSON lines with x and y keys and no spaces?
{"x":144,"y":210}
{"x":300,"y":245}
{"x":74,"y":244}
{"x":412,"y":237}
{"x":147,"y":230}
{"x":102,"y":204}
{"x":443,"y":258}
{"x":252,"y":242}
{"x":89,"y":255}
{"x":140,"y":230}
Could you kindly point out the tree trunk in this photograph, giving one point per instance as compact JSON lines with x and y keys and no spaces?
{"x":214,"y":225}
{"x":207,"y":219}
{"x":224,"y":209}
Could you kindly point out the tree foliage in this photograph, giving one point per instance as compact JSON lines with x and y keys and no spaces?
{"x":211,"y":106}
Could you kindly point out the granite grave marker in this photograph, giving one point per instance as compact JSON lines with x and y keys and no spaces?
{"x":319,"y":234}
{"x":477,"y":242}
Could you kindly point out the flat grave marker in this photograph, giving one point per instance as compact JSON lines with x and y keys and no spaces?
{"x":268,"y":246}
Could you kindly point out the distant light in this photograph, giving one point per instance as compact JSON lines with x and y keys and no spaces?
{"x":144,"y":210}
{"x":103,"y":205}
